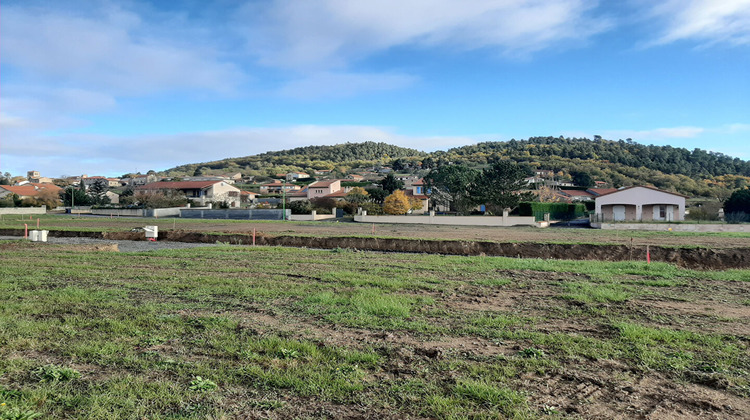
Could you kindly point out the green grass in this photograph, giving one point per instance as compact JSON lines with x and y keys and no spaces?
{"x":228,"y":331}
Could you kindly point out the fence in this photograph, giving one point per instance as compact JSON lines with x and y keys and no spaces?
{"x":255,"y":214}
{"x":503,"y":220}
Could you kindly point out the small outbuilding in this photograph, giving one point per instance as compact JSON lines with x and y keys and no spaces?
{"x":640,"y":204}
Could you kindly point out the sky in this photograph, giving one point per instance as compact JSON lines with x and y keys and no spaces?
{"x":104,"y":87}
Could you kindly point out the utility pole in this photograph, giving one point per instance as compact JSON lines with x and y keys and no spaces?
{"x":283,"y":201}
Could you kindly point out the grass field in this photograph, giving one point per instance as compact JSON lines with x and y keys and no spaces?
{"x":259,"y":332}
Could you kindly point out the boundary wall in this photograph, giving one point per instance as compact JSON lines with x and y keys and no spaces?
{"x":431,"y":219}
{"x":314,"y":216}
{"x":23,"y":210}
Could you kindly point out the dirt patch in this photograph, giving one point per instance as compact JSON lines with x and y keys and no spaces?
{"x":609,"y":389}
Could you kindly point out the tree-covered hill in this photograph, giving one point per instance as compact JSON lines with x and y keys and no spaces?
{"x":618,"y":163}
{"x":340,"y":156}
{"x":667,"y":159}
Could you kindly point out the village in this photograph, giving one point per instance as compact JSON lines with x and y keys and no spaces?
{"x":373,"y":191}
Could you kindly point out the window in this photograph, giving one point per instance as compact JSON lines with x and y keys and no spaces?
{"x":419,"y":190}
{"x":662,"y":212}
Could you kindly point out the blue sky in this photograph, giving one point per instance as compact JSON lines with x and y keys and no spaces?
{"x":110,"y":87}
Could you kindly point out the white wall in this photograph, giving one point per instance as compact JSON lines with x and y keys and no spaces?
{"x":23,"y":210}
{"x":504,"y":221}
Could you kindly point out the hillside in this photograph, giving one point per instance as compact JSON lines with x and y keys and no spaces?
{"x":619,"y":163}
{"x":340,"y":156}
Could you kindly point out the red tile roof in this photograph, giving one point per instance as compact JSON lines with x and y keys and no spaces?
{"x":31,"y":189}
{"x":322,"y":184}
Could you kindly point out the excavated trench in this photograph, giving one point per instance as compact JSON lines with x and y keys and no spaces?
{"x":694,"y":258}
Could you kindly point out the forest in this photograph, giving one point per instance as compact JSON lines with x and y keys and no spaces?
{"x":617,"y":163}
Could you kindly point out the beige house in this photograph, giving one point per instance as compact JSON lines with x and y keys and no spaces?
{"x":323,"y":188}
{"x":200,"y":192}
{"x":641,"y":204}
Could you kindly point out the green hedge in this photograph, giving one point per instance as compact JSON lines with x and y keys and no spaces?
{"x":557,"y":211}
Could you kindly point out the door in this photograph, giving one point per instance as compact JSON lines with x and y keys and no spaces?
{"x":619,"y":213}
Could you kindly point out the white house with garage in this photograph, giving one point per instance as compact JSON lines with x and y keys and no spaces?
{"x":640,"y":204}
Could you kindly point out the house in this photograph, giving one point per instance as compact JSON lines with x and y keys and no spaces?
{"x":355,"y":177}
{"x":576,"y":195}
{"x":277,"y":187}
{"x":293,"y":176}
{"x":138,"y":180}
{"x":91,"y":180}
{"x":640,"y":203}
{"x":233,"y":176}
{"x":408,"y":180}
{"x":323,"y":172}
{"x":418,"y":191}
{"x":200,"y":192}
{"x":248,"y":197}
{"x":28,"y":190}
{"x":299,"y":195}
{"x":209,"y":178}
{"x":37,"y":178}
{"x":323,"y":188}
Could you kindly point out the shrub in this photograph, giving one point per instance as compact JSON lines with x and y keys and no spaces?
{"x":738,"y":202}
{"x":300,"y":207}
{"x":736,"y":217}
{"x":557,"y":211}
{"x":397,"y":203}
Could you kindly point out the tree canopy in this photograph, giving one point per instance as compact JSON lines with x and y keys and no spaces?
{"x":499,"y":185}
{"x":451,"y":185}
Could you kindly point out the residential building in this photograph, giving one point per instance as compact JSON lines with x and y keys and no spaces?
{"x":28,"y":190}
{"x":640,"y":203}
{"x":200,"y":192}
{"x":418,"y":191}
{"x":37,"y":178}
{"x":91,"y":180}
{"x":323,"y":188}
{"x":277,"y":187}
{"x":293,"y":176}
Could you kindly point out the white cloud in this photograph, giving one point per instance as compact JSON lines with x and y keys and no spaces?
{"x":705,"y":21}
{"x":108,"y":48}
{"x":326,"y":34}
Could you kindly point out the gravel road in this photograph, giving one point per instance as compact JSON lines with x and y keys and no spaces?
{"x":123,"y":246}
